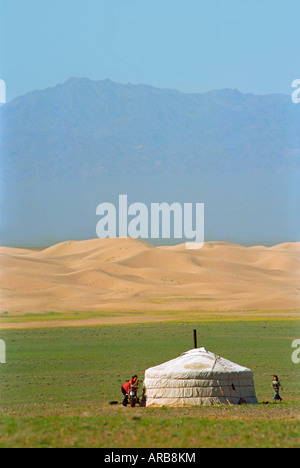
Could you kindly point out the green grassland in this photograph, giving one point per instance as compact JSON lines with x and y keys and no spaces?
{"x":57,"y":384}
{"x":83,"y":316}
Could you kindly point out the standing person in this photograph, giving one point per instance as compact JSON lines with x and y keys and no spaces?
{"x":276,"y":385}
{"x":126,"y":386}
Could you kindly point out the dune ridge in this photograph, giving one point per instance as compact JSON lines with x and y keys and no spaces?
{"x":127,"y":274}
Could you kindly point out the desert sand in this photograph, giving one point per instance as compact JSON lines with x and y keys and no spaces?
{"x":133,"y":275}
{"x":129,"y":275}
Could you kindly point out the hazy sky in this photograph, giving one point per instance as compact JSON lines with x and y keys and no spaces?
{"x":191,"y":45}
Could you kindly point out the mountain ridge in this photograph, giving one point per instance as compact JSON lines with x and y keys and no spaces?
{"x":83,"y":142}
{"x":82,"y":79}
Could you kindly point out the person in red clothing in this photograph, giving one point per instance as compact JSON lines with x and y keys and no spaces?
{"x":126,"y":387}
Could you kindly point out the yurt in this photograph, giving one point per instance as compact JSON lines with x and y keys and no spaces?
{"x":199,"y":377}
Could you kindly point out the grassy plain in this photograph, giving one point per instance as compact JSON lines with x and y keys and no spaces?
{"x":57,"y":384}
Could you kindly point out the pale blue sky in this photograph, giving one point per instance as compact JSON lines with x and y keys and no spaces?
{"x":190,"y":45}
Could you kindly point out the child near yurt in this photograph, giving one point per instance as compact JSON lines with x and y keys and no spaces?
{"x":276,"y":385}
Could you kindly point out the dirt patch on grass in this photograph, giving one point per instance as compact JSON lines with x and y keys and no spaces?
{"x":118,"y":318}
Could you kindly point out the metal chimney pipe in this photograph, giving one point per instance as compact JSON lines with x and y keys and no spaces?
{"x":195,"y":339}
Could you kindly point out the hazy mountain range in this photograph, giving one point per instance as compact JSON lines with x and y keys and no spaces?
{"x":66,"y":149}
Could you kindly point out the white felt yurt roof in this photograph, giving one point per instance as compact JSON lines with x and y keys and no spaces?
{"x":193,"y":364}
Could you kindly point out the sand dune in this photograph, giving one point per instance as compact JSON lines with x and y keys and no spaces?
{"x":127,"y":274}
